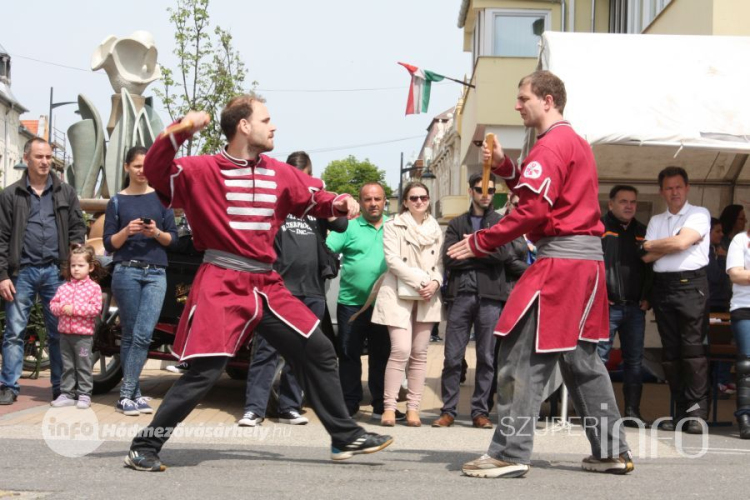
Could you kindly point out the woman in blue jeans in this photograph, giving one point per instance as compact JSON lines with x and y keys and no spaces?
{"x":137,"y":229}
{"x":738,"y":267}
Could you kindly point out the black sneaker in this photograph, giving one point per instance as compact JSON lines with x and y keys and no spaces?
{"x":292,"y":417}
{"x":144,"y":460}
{"x":366,"y":443}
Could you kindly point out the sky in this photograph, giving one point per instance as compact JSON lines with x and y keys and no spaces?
{"x":311,"y":60}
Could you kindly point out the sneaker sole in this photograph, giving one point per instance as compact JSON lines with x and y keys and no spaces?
{"x":249,"y":424}
{"x":147,"y":411}
{"x":67,"y":405}
{"x":137,"y":467}
{"x":128,"y":413}
{"x":83,"y":407}
{"x":511,"y":471}
{"x":293,"y":421}
{"x":607,"y":469}
{"x":343,"y":455}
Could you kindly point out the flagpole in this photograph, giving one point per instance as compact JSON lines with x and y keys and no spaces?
{"x":459,"y":81}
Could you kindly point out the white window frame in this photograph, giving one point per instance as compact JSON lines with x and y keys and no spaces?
{"x":489,"y":20}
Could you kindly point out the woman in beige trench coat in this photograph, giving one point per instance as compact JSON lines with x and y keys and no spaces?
{"x":412,"y":242}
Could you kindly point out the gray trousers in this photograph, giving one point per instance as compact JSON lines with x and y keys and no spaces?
{"x":521,"y":378}
{"x":464,"y":312}
{"x":77,"y":378}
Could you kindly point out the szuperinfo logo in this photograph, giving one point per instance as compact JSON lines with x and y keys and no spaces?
{"x":71,"y":432}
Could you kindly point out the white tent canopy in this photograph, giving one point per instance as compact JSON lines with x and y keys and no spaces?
{"x":647,"y":101}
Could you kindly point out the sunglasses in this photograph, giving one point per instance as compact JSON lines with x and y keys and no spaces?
{"x":490,"y":190}
{"x":425,"y":198}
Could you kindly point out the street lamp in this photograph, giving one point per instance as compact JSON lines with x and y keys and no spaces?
{"x":20,"y":166}
{"x":426,"y":175}
{"x":53,"y":105}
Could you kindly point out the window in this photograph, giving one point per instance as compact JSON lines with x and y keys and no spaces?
{"x":517,"y":35}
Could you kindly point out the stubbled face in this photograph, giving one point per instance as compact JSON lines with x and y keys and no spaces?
{"x":135,"y":170}
{"x":624,"y":206}
{"x":417,"y":201}
{"x":259,"y":129}
{"x":479,"y":201}
{"x":530,"y":106}
{"x":372,"y":203}
{"x":717,"y":233}
{"x":675,"y":191}
{"x":39,"y":159}
{"x":79,"y":267}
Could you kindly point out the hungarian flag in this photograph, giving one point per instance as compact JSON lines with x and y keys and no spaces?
{"x":419,"y":91}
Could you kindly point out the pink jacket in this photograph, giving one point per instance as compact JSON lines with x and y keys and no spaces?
{"x":86,"y":298}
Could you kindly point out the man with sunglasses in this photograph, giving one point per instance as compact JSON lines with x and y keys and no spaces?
{"x":474,"y":294}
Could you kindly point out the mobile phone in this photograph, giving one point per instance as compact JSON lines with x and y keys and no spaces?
{"x":146,"y":220}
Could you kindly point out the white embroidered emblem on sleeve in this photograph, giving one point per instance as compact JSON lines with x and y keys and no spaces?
{"x":533,"y":170}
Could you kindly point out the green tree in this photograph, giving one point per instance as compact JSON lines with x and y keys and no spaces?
{"x":209,"y":73}
{"x":349,"y":175}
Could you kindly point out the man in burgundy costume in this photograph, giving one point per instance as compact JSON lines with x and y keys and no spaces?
{"x":557,"y":311}
{"x":236,"y":201}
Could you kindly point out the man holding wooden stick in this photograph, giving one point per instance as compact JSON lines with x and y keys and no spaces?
{"x":558,"y":310}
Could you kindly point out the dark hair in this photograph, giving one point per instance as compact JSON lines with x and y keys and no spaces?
{"x":621,"y":187}
{"x":672,"y":172}
{"x":299,"y":159}
{"x":30,"y":142}
{"x":729,"y":216}
{"x":373,"y":183}
{"x":133,"y":153}
{"x":411,"y":185}
{"x":544,"y":83}
{"x":715,"y":222}
{"x":478,"y":177}
{"x":238,"y":108}
{"x":90,"y":254}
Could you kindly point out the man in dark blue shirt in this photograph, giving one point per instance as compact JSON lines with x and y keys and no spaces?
{"x":39,"y":218}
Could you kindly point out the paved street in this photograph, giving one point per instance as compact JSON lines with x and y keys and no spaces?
{"x":212,"y":458}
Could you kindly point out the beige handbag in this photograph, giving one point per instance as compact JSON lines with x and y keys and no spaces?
{"x":407,"y":292}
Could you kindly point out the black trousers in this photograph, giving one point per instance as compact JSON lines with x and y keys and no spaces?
{"x":679,"y":301}
{"x":313,"y":358}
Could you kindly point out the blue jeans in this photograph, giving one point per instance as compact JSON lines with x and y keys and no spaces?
{"x":139,"y":294}
{"x":31,"y":280}
{"x":741,"y":332}
{"x":351,"y":340}
{"x":630,"y":322}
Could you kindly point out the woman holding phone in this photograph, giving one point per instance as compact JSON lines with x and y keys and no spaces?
{"x":137,"y":228}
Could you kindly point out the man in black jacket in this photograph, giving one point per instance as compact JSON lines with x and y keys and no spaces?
{"x":39,"y":218}
{"x":474,"y":294}
{"x":628,"y":280}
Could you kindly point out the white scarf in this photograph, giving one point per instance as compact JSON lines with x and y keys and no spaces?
{"x":427,"y":233}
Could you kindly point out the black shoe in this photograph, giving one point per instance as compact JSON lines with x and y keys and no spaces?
{"x":744,"y":422}
{"x":667,"y":425}
{"x":7,"y":396}
{"x":633,"y":418}
{"x":353,"y":411}
{"x":144,"y":460}
{"x":695,"y":426}
{"x":366,"y":443}
{"x":436,"y":338}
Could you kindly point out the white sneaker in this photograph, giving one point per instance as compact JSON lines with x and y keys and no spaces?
{"x":250,"y":419}
{"x":181,"y":368}
{"x":292,"y":417}
{"x":62,"y":401}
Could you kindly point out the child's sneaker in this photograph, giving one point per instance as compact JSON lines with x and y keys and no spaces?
{"x":143,"y":406}
{"x":127,"y":407}
{"x":144,"y":460}
{"x":367,"y":443}
{"x":62,"y":401}
{"x":84,"y":402}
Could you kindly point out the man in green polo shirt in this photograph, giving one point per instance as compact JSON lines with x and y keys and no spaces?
{"x":361,"y":247}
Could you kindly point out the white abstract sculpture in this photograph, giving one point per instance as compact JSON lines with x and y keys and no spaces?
{"x":130,"y":62}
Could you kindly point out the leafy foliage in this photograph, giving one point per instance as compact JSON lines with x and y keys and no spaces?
{"x":349,"y":175}
{"x":209,"y":73}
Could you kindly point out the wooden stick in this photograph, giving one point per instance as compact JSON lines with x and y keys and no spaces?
{"x":177,"y":128}
{"x":489,"y":140}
